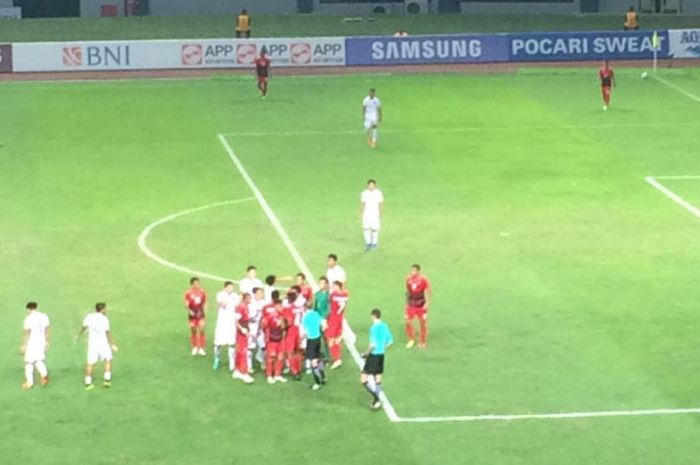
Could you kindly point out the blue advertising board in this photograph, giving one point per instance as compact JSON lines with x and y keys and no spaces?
{"x":578,"y":46}
{"x":363,"y":51}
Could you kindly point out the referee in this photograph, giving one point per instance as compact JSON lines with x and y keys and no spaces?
{"x":312,"y":325}
{"x":379,"y":339}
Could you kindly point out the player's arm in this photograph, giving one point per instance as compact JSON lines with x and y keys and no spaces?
{"x":114,"y":347}
{"x":364,"y":110}
{"x":25,"y":338}
{"x":379,"y":114}
{"x":612,"y":77}
{"x":428,"y":295}
{"x":240,"y":327}
{"x":369,"y":350}
{"x":362,"y":208}
{"x":80,"y":333}
{"x":47,"y":336}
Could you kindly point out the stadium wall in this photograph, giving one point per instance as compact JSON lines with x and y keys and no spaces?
{"x":346,"y":51}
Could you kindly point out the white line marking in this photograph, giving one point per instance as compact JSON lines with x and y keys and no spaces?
{"x":676,"y":88}
{"x":673,"y":196}
{"x":157,"y":258}
{"x":554,"y":416}
{"x":679,"y":178}
{"x":349,"y":336}
{"x":462,"y":129}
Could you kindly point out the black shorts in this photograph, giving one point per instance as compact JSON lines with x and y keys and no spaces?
{"x":313,"y":349}
{"x":374,"y":365}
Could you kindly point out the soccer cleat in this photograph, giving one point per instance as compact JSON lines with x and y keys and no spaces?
{"x":280,"y":379}
{"x":373,"y":145}
{"x":45,"y":380}
{"x":410,"y":344}
{"x":246,"y":378}
{"x":107,"y":384}
{"x":376,"y":405}
{"x":422,"y":345}
{"x":89,"y":387}
{"x":336,"y":364}
{"x":202,"y":352}
{"x":605,"y":107}
{"x":270,"y":380}
{"x":195,"y":350}
{"x":296,"y":377}
{"x":216,"y":364}
{"x":315,"y":387}
{"x":26,"y":386}
{"x":368,"y":247}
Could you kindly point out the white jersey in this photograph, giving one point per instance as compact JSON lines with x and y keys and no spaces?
{"x":224,"y":300}
{"x":247,"y":285}
{"x":225,"y":332}
{"x":268,"y":293}
{"x":36,"y":323}
{"x":371,"y":106}
{"x":372,"y":200}
{"x":97,"y":326}
{"x":336,"y":273}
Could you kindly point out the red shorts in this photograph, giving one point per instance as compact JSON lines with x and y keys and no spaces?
{"x":416,"y":312}
{"x":274,"y":348}
{"x":196,"y":322}
{"x":262,"y":79}
{"x":292,"y":341}
{"x":335,"y":327}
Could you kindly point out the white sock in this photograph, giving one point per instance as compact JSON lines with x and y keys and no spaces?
{"x":88,"y":380}
{"x":41,"y":368}
{"x":217,"y":352}
{"x":231,"y":358}
{"x":374,"y":135}
{"x":29,"y":374}
{"x":368,"y":236}
{"x":108,"y":376}
{"x":260,"y":356}
{"x":250,"y":359}
{"x":375,"y":237}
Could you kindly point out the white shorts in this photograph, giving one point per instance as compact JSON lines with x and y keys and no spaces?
{"x":370,"y":123}
{"x":98,"y":353}
{"x":371,"y":222}
{"x":35,"y":353}
{"x":225,"y":333}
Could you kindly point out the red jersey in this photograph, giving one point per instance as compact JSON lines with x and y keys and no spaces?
{"x":307,"y":292}
{"x":339,"y":300}
{"x":262,"y":66}
{"x":195,"y":300}
{"x":606,"y":76}
{"x":416,"y":287}
{"x":242,"y":315}
{"x":273,"y":323}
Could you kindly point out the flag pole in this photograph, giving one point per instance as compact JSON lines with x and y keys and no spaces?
{"x":655,"y":46}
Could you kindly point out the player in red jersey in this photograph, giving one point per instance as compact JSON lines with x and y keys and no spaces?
{"x":418,"y":291}
{"x":294,"y":307}
{"x":262,"y":71}
{"x":274,"y":326}
{"x":305,"y":289}
{"x":196,"y":305}
{"x":334,"y":332}
{"x":606,"y":76}
{"x":242,"y":340}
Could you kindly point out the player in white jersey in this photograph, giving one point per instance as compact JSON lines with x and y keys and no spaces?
{"x":250,"y":282}
{"x":371,"y":207}
{"x":35,"y":343}
{"x":335,"y":272}
{"x":100,"y":344}
{"x":256,"y":341}
{"x":225,"y":332}
{"x":372,"y":113}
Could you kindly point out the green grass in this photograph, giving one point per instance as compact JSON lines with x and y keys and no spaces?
{"x":563,"y":282}
{"x":37,"y":30}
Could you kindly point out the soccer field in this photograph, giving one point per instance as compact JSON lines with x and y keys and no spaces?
{"x":564,"y":281}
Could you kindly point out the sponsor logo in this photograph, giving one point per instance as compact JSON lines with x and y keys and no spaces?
{"x":5,"y":58}
{"x":192,"y":55}
{"x":583,"y":45}
{"x":300,"y":53}
{"x":72,"y":56}
{"x":690,"y":42}
{"x":426,"y":49}
{"x":246,"y":53}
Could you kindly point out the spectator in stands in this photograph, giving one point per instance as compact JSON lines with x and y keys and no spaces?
{"x":631,"y":20}
{"x":401,"y":33}
{"x":243,"y":24}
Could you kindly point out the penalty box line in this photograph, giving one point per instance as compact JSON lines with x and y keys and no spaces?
{"x":654,"y":182}
{"x":348,"y":335}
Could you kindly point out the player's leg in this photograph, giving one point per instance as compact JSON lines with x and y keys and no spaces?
{"x":231,"y":357}
{"x":264,"y":87}
{"x":270,"y":362}
{"x":88,"y":376}
{"x":410,"y":331}
{"x":43,"y":371}
{"x":202,"y":337}
{"x":28,"y":375}
{"x":374,"y":232}
{"x":367,"y":232}
{"x":423,"y":335}
{"x":108,"y":373}
{"x":364,"y":380}
{"x":193,"y":337}
{"x":217,"y":357}
{"x":368,"y":131}
{"x":378,"y":386}
{"x":374,"y":134}
{"x":278,"y":368}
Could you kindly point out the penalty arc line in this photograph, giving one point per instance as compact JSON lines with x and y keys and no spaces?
{"x":143,"y":237}
{"x":349,"y":335}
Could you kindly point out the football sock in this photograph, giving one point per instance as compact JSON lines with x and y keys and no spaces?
{"x":231,"y":357}
{"x":260,"y":356}
{"x":41,"y":368}
{"x":193,"y":340}
{"x":335,"y":352}
{"x":108,"y":376}
{"x":423,"y":331}
{"x":217,"y":352}
{"x":317,"y":375}
{"x":249,"y":357}
{"x":377,"y":389}
{"x":88,"y":380}
{"x":374,"y":238}
{"x":374,"y":135}
{"x":371,"y":391}
{"x":278,"y":367}
{"x":410,"y":332}
{"x":202,"y":341}
{"x":295,"y":365}
{"x":368,"y":236}
{"x":29,"y":374}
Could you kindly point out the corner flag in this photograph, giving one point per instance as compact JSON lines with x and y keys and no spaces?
{"x":655,"y":42}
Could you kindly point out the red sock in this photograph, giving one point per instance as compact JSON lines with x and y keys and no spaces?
{"x":335,"y":351}
{"x":423,"y":331}
{"x":202,"y":340}
{"x":193,"y":340}
{"x":242,"y":361}
{"x":278,"y":367}
{"x":269,"y":366}
{"x":410,"y":332}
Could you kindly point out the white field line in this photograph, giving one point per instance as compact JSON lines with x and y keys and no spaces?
{"x":157,"y":258}
{"x":348,"y":334}
{"x":461,"y":129}
{"x":673,"y":196}
{"x":679,"y":178}
{"x":670,"y":85}
{"x":554,"y":416}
